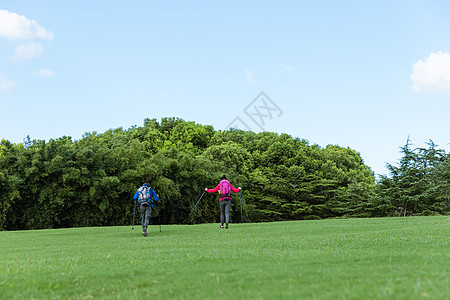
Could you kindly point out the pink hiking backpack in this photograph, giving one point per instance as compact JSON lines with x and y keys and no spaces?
{"x":225,"y":189}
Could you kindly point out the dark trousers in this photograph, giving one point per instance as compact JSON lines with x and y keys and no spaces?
{"x":146,"y":213}
{"x":225,"y":206}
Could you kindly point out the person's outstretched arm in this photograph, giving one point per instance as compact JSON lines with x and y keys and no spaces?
{"x":154,"y":195}
{"x":213,"y":190}
{"x":235,"y":190}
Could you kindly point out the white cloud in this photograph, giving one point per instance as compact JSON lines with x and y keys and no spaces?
{"x":249,"y":76}
{"x":433,"y":74}
{"x":27,"y":51}
{"x":286,"y":69}
{"x":6,"y":85}
{"x":14,"y":26}
{"x":45,"y":73}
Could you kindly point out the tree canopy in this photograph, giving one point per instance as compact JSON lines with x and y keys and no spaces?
{"x":91,"y":181}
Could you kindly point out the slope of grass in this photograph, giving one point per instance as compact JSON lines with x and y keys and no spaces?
{"x":393,"y":258}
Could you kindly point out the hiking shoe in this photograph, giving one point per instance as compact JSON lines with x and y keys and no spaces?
{"x":226,"y":226}
{"x":221,"y":226}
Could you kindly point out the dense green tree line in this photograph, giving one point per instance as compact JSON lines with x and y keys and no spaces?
{"x":91,"y":181}
{"x":419,"y":185}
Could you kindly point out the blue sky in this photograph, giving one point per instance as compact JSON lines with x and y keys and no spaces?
{"x":361,"y":75}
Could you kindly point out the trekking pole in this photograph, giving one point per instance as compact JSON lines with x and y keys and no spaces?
{"x":159,"y":221}
{"x":134,"y":213}
{"x":159,"y":215}
{"x":196,"y":204}
{"x":240,"y":201}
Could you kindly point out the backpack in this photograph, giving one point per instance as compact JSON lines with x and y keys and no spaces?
{"x":144,"y":195}
{"x":225,"y":189}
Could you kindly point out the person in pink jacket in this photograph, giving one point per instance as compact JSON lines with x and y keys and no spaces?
{"x":224,"y":188}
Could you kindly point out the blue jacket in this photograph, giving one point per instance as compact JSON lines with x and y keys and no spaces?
{"x":152,"y":194}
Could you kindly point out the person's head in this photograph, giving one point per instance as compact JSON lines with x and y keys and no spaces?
{"x":146,"y":183}
{"x":224,"y":177}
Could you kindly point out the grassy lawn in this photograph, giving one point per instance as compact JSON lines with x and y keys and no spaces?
{"x":389,"y":258}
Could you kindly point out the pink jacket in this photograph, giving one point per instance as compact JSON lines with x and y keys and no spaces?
{"x":217,"y":188}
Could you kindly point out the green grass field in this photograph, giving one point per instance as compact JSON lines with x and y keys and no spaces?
{"x":390,"y":258}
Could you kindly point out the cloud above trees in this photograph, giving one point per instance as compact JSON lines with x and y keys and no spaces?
{"x":29,"y":36}
{"x":16,"y":27}
{"x":432,"y":74}
{"x":6,"y":85}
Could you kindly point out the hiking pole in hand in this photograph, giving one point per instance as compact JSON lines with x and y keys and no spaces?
{"x":196,"y":204}
{"x":159,"y":215}
{"x":240,"y":201}
{"x":134,"y":213}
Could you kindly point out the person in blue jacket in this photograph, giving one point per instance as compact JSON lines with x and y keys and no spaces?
{"x":145,"y":196}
